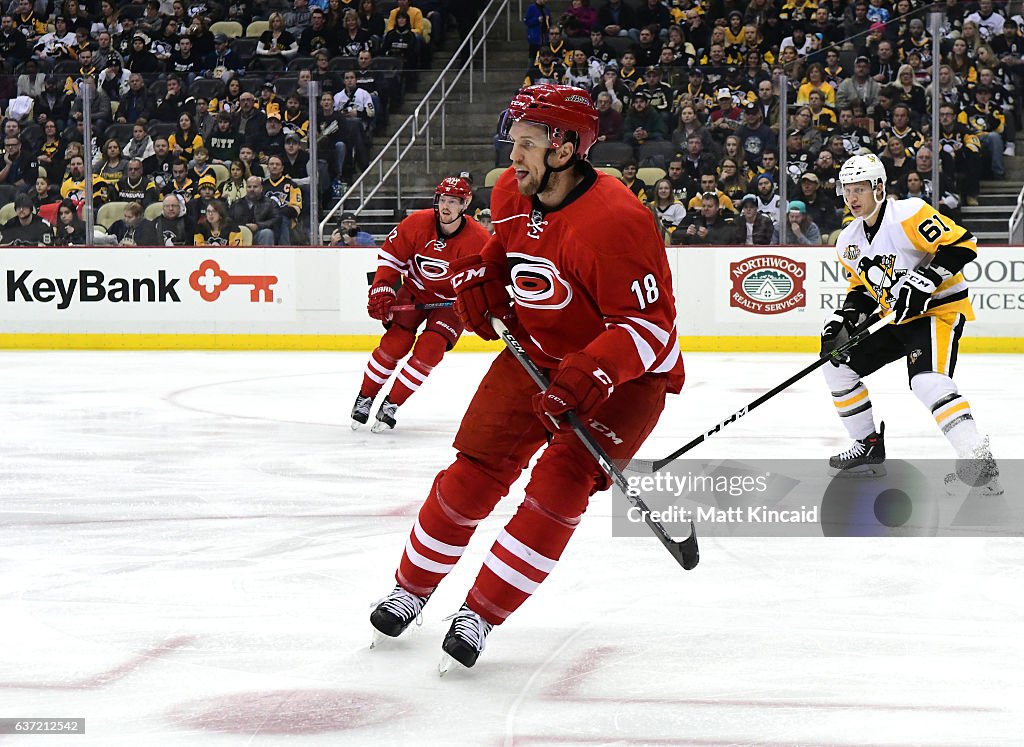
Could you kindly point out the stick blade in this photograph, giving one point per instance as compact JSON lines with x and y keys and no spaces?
{"x":686,"y":552}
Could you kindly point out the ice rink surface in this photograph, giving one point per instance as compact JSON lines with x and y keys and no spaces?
{"x":190,"y":544}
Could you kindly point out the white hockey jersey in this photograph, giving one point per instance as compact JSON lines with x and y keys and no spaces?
{"x":909,"y":234}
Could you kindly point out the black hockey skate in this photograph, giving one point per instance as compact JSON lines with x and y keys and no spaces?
{"x":863,"y":459}
{"x":394,"y":613}
{"x":385,"y":416}
{"x":465,"y":639}
{"x":361,"y":410}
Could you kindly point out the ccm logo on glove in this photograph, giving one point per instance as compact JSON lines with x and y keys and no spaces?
{"x":914,"y":292}
{"x":604,"y":378}
{"x":473,"y":272}
{"x":579,"y":384}
{"x":480,"y":293}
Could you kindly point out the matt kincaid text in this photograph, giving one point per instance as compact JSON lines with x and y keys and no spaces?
{"x":732,"y":515}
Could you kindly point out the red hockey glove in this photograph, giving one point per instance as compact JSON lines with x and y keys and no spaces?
{"x":579,"y":384}
{"x":382,"y":296}
{"x":480,"y":293}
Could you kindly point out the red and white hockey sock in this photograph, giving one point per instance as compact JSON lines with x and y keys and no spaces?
{"x":378,"y":371}
{"x":461,"y":497}
{"x":430,"y":349}
{"x":394,"y":346}
{"x":409,"y":379}
{"x":427,"y":559}
{"x":521,"y":558}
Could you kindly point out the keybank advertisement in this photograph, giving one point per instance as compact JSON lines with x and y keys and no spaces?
{"x":796,"y":287}
{"x":141,"y":284}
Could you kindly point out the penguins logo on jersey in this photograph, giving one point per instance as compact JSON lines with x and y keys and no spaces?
{"x":430,"y":268}
{"x":537,"y":283}
{"x":879,"y":274}
{"x":851,"y":252}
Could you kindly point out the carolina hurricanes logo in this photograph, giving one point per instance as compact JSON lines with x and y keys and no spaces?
{"x":537,"y":283}
{"x":431,"y":268}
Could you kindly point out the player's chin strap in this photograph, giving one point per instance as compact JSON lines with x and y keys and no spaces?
{"x":442,"y":228}
{"x":549,"y":169}
{"x":878,"y":203}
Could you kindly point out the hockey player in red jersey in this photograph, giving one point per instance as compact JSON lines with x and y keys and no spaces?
{"x":419,"y":251}
{"x":592,"y":303}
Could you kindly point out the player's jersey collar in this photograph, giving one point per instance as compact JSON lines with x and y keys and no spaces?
{"x":871,"y":231}
{"x":453,"y":234}
{"x":589,"y":179}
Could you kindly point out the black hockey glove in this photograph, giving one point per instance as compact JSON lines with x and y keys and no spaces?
{"x":856,"y":309}
{"x":914,"y":293}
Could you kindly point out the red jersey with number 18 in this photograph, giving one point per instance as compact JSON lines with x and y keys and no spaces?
{"x":415,"y":250}
{"x":591,"y":275}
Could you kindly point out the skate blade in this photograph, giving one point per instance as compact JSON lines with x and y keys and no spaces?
{"x":445,"y":664}
{"x":380,"y":427}
{"x":863,"y":471}
{"x":356,"y":425}
{"x":378,"y":638}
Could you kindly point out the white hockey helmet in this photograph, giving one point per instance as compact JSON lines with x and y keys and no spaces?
{"x":866,"y":168}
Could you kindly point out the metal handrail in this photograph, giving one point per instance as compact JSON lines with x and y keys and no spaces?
{"x":1015,"y":227}
{"x":417,"y":124}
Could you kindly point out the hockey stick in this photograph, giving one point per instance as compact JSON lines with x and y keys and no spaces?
{"x":422,"y":306}
{"x":686,"y":552}
{"x":648,"y":466}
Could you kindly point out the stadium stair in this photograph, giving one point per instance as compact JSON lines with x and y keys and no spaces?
{"x":989,"y":219}
{"x":469,"y":137}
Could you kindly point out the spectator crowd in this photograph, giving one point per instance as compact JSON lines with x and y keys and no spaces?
{"x":689,"y":103}
{"x":199,"y":112}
